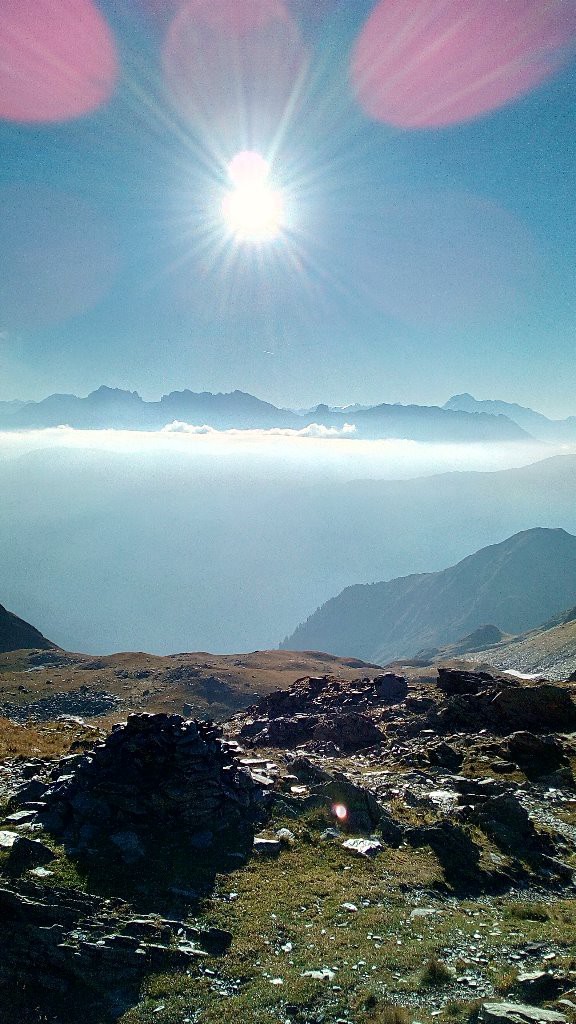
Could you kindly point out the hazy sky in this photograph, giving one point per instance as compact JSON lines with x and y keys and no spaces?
{"x":425,"y":153}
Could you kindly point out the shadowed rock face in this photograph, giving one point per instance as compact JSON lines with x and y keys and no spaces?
{"x":479,"y":700}
{"x":157,"y":774}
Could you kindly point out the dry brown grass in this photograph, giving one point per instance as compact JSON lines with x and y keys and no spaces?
{"x":54,"y":739}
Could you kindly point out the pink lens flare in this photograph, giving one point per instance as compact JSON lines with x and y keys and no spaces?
{"x":234,"y":69}
{"x":340,"y":811}
{"x":57,"y":60}
{"x":430,"y":63}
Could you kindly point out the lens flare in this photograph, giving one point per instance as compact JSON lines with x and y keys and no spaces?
{"x":234,"y":70}
{"x":57,"y":61}
{"x":432,"y":63}
{"x":340,"y":811}
{"x":253,"y":210}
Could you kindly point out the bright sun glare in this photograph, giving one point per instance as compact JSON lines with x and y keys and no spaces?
{"x":253,"y":208}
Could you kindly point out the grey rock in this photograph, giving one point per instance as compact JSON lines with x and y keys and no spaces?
{"x":541,"y":985}
{"x":129,"y":845}
{"x":518,"y":1013}
{"x":363,"y":847}
{"x":23,"y":852}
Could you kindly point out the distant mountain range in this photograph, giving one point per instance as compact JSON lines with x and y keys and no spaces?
{"x":516,"y":585}
{"x":118,"y":409}
{"x":16,"y":634}
{"x":533,"y":422}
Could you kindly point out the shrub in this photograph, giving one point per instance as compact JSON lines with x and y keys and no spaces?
{"x":435,"y":973}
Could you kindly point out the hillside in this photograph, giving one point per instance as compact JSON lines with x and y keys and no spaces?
{"x":515,"y":585}
{"x":355,"y":852}
{"x":16,"y":634}
{"x":38,"y":687}
{"x":549,"y":651}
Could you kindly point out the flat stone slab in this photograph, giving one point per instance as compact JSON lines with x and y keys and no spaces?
{"x":518,"y":1013}
{"x":9,"y":839}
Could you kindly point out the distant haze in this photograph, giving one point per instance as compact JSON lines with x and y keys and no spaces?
{"x":167,"y":542}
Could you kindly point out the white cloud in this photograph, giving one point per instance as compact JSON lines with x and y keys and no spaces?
{"x":311,"y":430}
{"x":180,"y":427}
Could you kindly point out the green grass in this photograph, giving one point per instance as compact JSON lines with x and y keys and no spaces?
{"x":287,"y":918}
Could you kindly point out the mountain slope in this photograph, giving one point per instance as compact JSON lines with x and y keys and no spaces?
{"x":534,"y":422}
{"x":515,"y":585}
{"x":115,"y":408}
{"x":549,"y":650}
{"x":16,"y":634}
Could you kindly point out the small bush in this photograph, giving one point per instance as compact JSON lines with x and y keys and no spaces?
{"x":387,"y":1014}
{"x":505,"y":982}
{"x":435,"y":974}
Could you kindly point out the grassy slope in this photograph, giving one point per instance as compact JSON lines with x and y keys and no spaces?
{"x":212,"y":686}
{"x":286,"y":915}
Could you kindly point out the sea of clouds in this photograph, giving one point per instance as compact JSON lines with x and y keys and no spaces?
{"x":315,"y":449}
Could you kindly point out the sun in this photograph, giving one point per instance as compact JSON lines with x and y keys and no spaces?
{"x":253,"y":209}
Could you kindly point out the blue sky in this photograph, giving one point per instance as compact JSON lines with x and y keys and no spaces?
{"x":418,"y":262}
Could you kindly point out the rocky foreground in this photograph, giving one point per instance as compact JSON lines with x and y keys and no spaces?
{"x":352,"y":851}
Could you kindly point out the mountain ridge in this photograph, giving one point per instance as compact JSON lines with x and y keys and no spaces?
{"x":17,"y":634}
{"x":540,"y":426}
{"x":514,"y":584}
{"x":115,"y":408}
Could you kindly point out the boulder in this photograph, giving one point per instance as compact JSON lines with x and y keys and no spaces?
{"x":445,"y":756}
{"x":539,"y":755}
{"x":390,"y":688}
{"x":518,"y":1013}
{"x":350,"y":731}
{"x":363,"y":847}
{"x":24,"y":853}
{"x":542,"y":708}
{"x":264,"y":847}
{"x":541,"y":985}
{"x":454,"y":681}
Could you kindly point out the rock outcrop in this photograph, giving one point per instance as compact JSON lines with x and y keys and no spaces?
{"x":477,"y":701}
{"x":320,"y":710}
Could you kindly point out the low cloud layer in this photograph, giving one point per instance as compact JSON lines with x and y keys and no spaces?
{"x":314,"y":451}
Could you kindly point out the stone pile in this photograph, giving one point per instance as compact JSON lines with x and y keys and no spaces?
{"x":320,"y":693}
{"x":156,"y":775}
{"x":322,"y":710}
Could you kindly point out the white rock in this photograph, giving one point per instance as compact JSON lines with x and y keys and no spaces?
{"x":363,"y":847}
